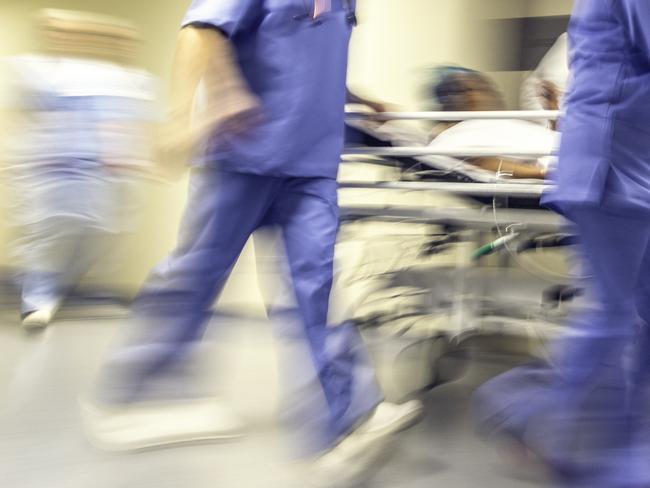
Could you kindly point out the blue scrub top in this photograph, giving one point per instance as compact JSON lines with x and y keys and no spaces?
{"x":298,"y":69}
{"x":604,"y":157}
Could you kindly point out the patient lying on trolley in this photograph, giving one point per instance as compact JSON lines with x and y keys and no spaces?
{"x":460,"y":89}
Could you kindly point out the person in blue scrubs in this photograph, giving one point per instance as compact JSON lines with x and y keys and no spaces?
{"x":586,"y":414}
{"x":273,"y":86}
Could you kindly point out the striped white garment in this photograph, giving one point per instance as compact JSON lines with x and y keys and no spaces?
{"x":81,"y":111}
{"x":321,"y":7}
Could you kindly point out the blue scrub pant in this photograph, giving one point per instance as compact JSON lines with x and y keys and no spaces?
{"x":224,"y":209}
{"x":586,"y":412}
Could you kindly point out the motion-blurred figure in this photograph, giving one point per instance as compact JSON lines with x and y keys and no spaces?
{"x":81,"y":143}
{"x":273,"y":79}
{"x":462,"y":89}
{"x":586,"y":412}
{"x":545,"y":88}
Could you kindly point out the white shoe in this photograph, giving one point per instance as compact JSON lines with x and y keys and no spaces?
{"x":39,"y":319}
{"x":147,"y":426}
{"x":352,"y":459}
{"x":391,"y":418}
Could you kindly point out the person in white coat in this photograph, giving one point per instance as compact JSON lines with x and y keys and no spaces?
{"x":545,"y":87}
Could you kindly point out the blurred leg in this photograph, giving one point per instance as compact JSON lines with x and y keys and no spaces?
{"x":308,"y":213}
{"x":632,"y":463}
{"x":43,"y":281}
{"x":592,"y":351}
{"x":171,"y":311}
{"x":575,"y":412}
{"x":304,"y":410}
{"x":110,"y":214}
{"x":60,"y":215}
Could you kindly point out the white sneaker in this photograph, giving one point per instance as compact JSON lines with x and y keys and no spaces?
{"x":147,"y":426}
{"x":391,"y":418}
{"x":351,"y":460}
{"x":39,"y":319}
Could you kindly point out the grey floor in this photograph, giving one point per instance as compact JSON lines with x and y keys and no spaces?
{"x":42,"y":443}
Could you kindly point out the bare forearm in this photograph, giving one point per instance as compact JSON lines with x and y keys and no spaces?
{"x":514,"y":168}
{"x":201,"y":54}
{"x":356,"y":99}
{"x":352,"y":98}
{"x":204,"y":55}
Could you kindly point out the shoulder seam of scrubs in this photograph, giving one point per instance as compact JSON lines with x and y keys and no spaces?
{"x":207,"y":25}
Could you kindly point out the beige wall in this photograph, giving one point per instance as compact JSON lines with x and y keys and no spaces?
{"x":158,"y":20}
{"x":548,"y":7}
{"x":395,"y":40}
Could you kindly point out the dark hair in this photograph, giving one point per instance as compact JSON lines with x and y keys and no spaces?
{"x":451,"y":84}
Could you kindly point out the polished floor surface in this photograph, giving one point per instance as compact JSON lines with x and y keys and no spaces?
{"x":42,"y":443}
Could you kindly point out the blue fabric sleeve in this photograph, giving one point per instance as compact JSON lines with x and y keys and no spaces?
{"x":229,"y":16}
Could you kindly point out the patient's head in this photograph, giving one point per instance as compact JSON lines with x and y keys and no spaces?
{"x":459,"y":89}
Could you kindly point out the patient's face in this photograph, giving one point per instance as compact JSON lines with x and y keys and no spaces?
{"x":468,"y":92}
{"x":481,"y":95}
